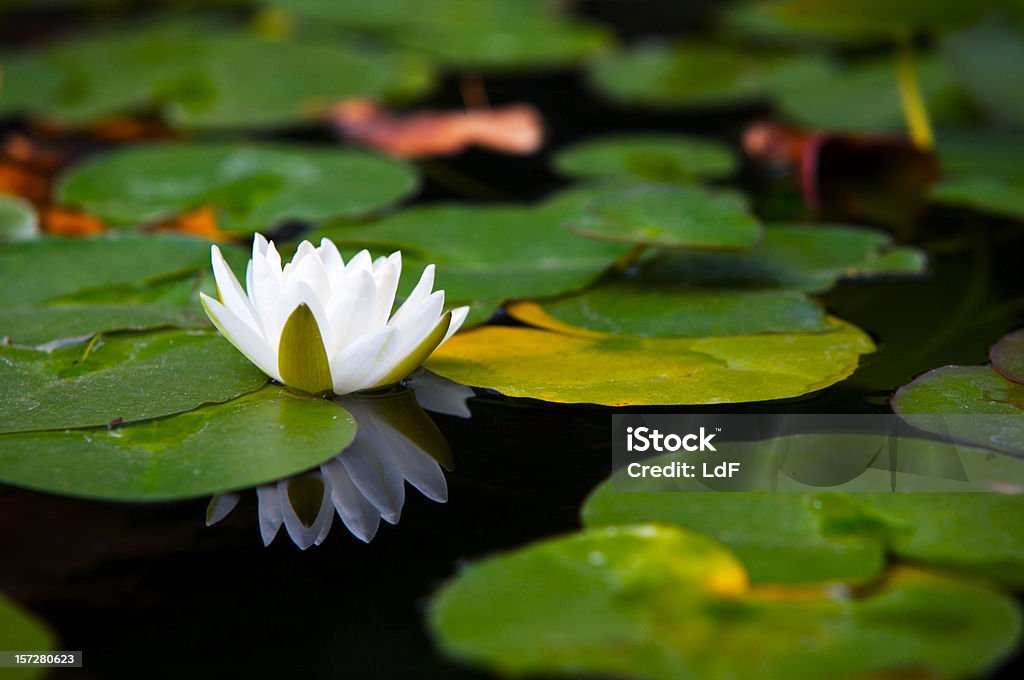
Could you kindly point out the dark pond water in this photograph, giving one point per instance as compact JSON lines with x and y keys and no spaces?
{"x":150,"y":591}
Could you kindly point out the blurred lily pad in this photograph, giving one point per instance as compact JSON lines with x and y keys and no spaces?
{"x":973,"y":404}
{"x":983,"y":57}
{"x":251,"y":186}
{"x":22,"y":630}
{"x":257,"y":438}
{"x":695,"y":74}
{"x":628,"y":308}
{"x":478,"y":34}
{"x":809,"y":257}
{"x":197,"y":74}
{"x":873,"y":19}
{"x":668,"y":217}
{"x":659,"y":602}
{"x":785,"y":531}
{"x":120,"y":378}
{"x":624,"y":370}
{"x":985,"y":193}
{"x":487,"y":254}
{"x":18,"y":220}
{"x":650,"y":157}
{"x":1007,"y":357}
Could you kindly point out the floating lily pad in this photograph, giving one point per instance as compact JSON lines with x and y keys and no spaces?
{"x":487,"y":253}
{"x":663,"y":603}
{"x":197,"y":75}
{"x":21,"y":630}
{"x":845,"y":531}
{"x":123,"y":378}
{"x":1007,"y":357}
{"x":695,"y":74}
{"x":253,"y":186}
{"x":257,"y":438}
{"x":811,"y":258}
{"x":628,"y":308}
{"x":865,"y":95}
{"x":872,"y":19}
{"x":668,"y":217}
{"x":974,"y":404}
{"x":985,"y":193}
{"x":651,"y":157}
{"x":18,"y":220}
{"x":623,"y":370}
{"x":983,"y":57}
{"x":478,"y":34}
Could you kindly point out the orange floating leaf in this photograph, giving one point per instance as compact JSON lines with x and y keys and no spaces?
{"x":65,"y":222}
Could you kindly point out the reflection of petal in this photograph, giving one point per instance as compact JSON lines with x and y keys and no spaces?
{"x":301,"y":534}
{"x":440,"y":395}
{"x":270,"y":512}
{"x":377,"y":478}
{"x":415,"y":466}
{"x":357,"y":513}
{"x":220,"y":507}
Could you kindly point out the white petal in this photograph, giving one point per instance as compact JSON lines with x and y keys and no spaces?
{"x":377,"y":477}
{"x":296,"y":292}
{"x":386,"y":278}
{"x":458,"y":318}
{"x":361,"y":260}
{"x":220,"y":507}
{"x":418,"y":294}
{"x":357,"y":513}
{"x":231,"y":293}
{"x":440,"y":395}
{"x":333,"y":262}
{"x":348,"y":312}
{"x":273,"y":259}
{"x":259,"y":245}
{"x":311,"y":272}
{"x":264,"y":290}
{"x":269,"y":499}
{"x":351,"y":367}
{"x":243,"y":337}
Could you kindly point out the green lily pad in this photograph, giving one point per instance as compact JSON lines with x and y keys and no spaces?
{"x":668,"y":217}
{"x":44,"y":324}
{"x":253,"y":186}
{"x":872,"y":19}
{"x":659,"y":602}
{"x":624,"y":370}
{"x":985,"y":193}
{"x":650,"y":157}
{"x":982,"y":57}
{"x":21,"y":630}
{"x":123,"y":378}
{"x":479,"y":34}
{"x":487,"y":253}
{"x":694,"y":74}
{"x":18,"y":220}
{"x":787,"y":531}
{"x":974,"y":404}
{"x":197,"y":74}
{"x":808,"y":257}
{"x":864,"y":96}
{"x":257,"y":438}
{"x":1007,"y":356}
{"x":629,"y":308}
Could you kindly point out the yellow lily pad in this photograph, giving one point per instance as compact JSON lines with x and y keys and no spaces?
{"x":626,"y":370}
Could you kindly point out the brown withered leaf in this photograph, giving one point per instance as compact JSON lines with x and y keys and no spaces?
{"x":515,"y":129}
{"x":882,"y":179}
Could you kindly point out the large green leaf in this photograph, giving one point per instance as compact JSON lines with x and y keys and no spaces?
{"x":785,"y":530}
{"x":18,"y":220}
{"x":1007,"y":356}
{"x":983,"y":192}
{"x":653,"y":157}
{"x":123,"y":378}
{"x":197,"y":74}
{"x":983,"y":58}
{"x":624,"y":370}
{"x":252,"y":186}
{"x":488,"y":253}
{"x":972,"y":403}
{"x":257,"y":438}
{"x":657,"y":602}
{"x":668,"y":217}
{"x":20,"y":630}
{"x":809,"y":257}
{"x":630,"y":308}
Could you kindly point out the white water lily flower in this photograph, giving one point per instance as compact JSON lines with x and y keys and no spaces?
{"x":319,"y":324}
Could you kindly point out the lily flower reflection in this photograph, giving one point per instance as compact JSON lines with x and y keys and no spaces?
{"x":396,"y":442}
